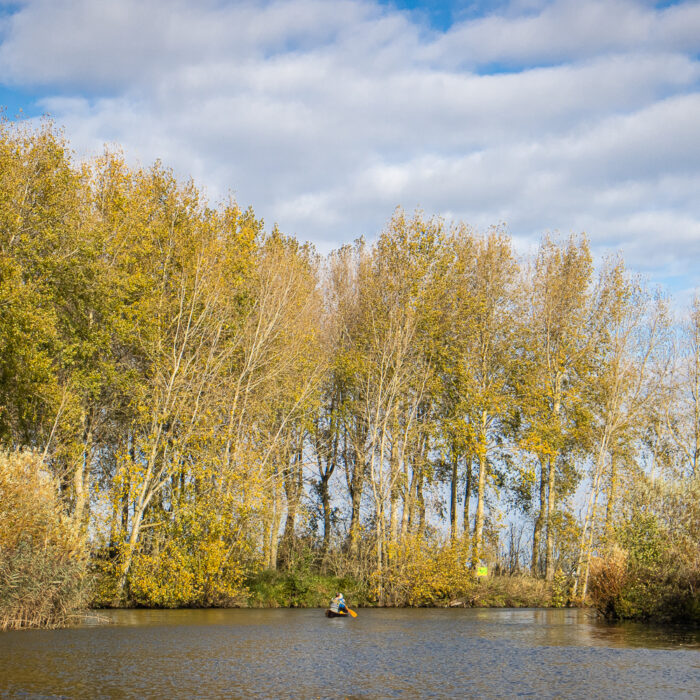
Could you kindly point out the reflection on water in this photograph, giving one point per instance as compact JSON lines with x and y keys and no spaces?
{"x":381,"y":654}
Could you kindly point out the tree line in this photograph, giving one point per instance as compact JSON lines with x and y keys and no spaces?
{"x":210,"y":398}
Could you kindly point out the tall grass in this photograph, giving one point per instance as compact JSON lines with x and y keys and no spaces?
{"x":43,"y":558}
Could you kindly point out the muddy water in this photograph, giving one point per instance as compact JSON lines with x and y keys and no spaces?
{"x":380,"y":654}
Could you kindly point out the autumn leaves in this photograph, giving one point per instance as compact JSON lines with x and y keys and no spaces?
{"x":213,"y":398}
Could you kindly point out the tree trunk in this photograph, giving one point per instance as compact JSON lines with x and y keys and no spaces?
{"x":467,"y":493}
{"x":356,"y":486}
{"x":589,"y":554}
{"x":326,"y":504}
{"x":453,"y":498}
{"x":380,"y":557}
{"x":478,"y":543}
{"x":420,"y":501}
{"x":537,"y":532}
{"x":130,"y":548}
{"x":292,"y":488}
{"x":394,"y":491}
{"x":610,"y":508}
{"x":551,"y":501}
{"x":80,"y":486}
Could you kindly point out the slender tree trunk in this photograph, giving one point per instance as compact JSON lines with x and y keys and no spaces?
{"x":467,"y":493}
{"x":407,"y":511}
{"x":453,"y":497}
{"x":125,"y":508}
{"x":420,"y":502}
{"x":275,"y":527}
{"x":267,"y":534}
{"x":126,"y":488}
{"x":551,"y":500}
{"x":539,"y":522}
{"x":589,"y":520}
{"x":478,"y":542}
{"x":292,"y":488}
{"x":408,"y":491}
{"x":394,"y":490}
{"x":589,"y":554}
{"x":130,"y":548}
{"x":551,"y":490}
{"x":80,"y":486}
{"x":610,"y":507}
{"x":380,"y":557}
{"x":356,"y":486}
{"x":326,"y":504}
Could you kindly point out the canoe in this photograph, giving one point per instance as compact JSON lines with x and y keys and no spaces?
{"x":330,"y":613}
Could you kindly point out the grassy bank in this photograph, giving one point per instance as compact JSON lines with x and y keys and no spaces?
{"x":276,"y":589}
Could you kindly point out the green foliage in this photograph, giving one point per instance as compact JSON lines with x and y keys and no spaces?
{"x":273,"y":589}
{"x":641,"y":536}
{"x":647,"y":574}
{"x":561,"y":589}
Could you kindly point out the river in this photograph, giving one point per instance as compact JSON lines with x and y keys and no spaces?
{"x":383,"y":653}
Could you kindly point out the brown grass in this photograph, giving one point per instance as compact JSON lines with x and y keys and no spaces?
{"x":42,"y":551}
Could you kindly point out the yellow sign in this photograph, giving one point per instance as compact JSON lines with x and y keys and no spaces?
{"x":482,"y":571}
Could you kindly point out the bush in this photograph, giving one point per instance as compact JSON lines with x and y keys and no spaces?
{"x":428,"y":573}
{"x":301,"y":589}
{"x":420,"y":573}
{"x":647,"y":574}
{"x":43,"y":563}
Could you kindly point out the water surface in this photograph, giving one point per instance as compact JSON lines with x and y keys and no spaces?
{"x":380,"y":654}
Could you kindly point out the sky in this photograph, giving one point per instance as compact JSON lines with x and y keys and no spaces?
{"x":547,"y":117}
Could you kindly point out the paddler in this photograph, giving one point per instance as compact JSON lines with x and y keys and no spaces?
{"x":338,"y":605}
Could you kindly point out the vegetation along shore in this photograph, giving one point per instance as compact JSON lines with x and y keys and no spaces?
{"x":197,"y":411}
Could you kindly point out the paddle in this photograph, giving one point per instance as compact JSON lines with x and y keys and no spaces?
{"x":352,"y":612}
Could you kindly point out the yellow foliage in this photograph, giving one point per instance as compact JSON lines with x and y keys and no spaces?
{"x":30,"y":509}
{"x":423,"y":573}
{"x":182,"y":576}
{"x":162,"y":579}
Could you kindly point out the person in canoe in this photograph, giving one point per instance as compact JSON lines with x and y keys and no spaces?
{"x":338,"y":608}
{"x":338,"y":605}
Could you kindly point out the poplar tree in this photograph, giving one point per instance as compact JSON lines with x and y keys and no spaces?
{"x":482,"y":352}
{"x":558,"y":337}
{"x":626,"y":379}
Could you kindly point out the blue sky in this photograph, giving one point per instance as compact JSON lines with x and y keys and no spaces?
{"x":324,"y":115}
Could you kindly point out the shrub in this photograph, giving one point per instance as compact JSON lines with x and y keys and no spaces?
{"x":301,"y":589}
{"x":649,"y":573}
{"x":421,"y":573}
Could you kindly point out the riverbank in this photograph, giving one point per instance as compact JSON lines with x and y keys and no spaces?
{"x":275,"y":589}
{"x":312,"y":589}
{"x":656,"y":602}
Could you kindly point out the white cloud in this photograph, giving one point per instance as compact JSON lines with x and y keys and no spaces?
{"x":570,"y":29}
{"x":326,"y":114}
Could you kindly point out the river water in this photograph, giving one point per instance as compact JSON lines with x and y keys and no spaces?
{"x":383,"y":653}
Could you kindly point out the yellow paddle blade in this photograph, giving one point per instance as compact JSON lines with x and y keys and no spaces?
{"x":352,"y":612}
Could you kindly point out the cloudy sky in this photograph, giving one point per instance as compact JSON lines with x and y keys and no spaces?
{"x":324,"y":115}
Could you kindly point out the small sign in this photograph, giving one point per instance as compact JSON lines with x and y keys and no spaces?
{"x":482,"y":571}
